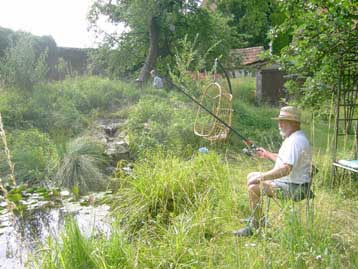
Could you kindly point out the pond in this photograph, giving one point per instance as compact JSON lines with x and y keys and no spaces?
{"x":22,"y":234}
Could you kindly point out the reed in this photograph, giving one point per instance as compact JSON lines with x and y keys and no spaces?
{"x":8,"y":156}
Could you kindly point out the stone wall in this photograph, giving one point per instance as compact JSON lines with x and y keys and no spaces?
{"x":75,"y":60}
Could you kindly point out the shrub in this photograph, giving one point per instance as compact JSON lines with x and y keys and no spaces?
{"x":21,"y":66}
{"x":80,"y":167}
{"x":13,"y":107}
{"x":34,"y":155}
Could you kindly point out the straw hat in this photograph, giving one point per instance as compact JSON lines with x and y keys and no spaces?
{"x":290,"y":113}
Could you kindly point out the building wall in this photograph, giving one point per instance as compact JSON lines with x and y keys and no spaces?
{"x":269,"y":86}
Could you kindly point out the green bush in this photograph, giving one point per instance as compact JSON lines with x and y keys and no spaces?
{"x":22,"y":66}
{"x":13,"y":106}
{"x":34,"y":155}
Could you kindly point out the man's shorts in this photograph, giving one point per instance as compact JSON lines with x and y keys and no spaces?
{"x":296,"y":192}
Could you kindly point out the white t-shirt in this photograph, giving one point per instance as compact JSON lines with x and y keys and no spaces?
{"x":296,"y":151}
{"x":157,"y":82}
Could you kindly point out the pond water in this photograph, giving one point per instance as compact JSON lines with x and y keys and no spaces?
{"x":21,"y":235}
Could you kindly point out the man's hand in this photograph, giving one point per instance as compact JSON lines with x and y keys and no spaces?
{"x":262,"y":153}
{"x":254,"y":178}
{"x":265,"y":154}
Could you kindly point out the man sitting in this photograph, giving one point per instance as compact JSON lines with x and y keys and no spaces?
{"x":157,"y":81}
{"x":291,"y":174}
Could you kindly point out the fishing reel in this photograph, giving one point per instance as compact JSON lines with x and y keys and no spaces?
{"x":250,"y":150}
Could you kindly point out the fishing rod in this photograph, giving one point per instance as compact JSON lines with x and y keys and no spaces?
{"x":248,"y":143}
{"x":226,"y":75}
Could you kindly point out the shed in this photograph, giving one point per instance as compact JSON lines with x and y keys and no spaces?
{"x":269,"y":78}
{"x":270,"y":84}
{"x":244,"y":61}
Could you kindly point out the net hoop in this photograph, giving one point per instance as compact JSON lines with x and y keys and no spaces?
{"x":221,"y":107}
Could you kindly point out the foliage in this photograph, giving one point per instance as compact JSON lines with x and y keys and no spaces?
{"x":252,"y":20}
{"x":6,"y":36}
{"x":323,"y":33}
{"x":12,"y":108}
{"x":255,"y":124}
{"x":186,"y":210}
{"x":211,"y":36}
{"x":74,"y":250}
{"x":188,"y":63}
{"x":22,"y":66}
{"x":64,"y":68}
{"x":244,"y":89}
{"x":34,"y":155}
{"x":64,"y":108}
{"x":81,"y":165}
{"x":94,"y":93}
{"x":161,"y":122}
{"x":173,"y":21}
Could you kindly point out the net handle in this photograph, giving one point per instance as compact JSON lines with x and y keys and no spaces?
{"x":217,"y":63}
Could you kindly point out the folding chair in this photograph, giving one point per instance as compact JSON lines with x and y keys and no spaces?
{"x":296,"y":197}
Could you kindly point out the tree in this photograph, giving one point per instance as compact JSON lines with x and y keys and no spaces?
{"x":153,"y":29}
{"x":323,"y":32}
{"x":251,"y":20}
{"x":23,"y":65}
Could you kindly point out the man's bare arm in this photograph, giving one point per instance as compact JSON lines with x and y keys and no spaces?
{"x":277,"y":172}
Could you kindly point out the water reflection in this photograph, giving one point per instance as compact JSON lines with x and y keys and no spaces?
{"x":22,"y":235}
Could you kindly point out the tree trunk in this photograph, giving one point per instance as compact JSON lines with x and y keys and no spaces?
{"x":149,"y":63}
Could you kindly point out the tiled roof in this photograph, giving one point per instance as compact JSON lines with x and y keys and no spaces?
{"x":248,"y":55}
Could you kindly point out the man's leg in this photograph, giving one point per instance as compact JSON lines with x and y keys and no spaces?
{"x":255,"y":194}
{"x":254,"y":191}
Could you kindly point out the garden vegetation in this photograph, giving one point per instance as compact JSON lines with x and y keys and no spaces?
{"x":177,"y":207}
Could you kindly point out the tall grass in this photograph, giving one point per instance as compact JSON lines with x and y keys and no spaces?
{"x":180,"y":214}
{"x":73,"y":250}
{"x":175,"y":212}
{"x":163,"y":187}
{"x":8,"y":156}
{"x":244,"y":89}
{"x":80,"y":167}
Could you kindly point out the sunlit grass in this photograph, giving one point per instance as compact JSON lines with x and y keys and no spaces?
{"x":180,"y":213}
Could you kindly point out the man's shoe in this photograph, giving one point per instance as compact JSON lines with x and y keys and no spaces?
{"x":244,"y":232}
{"x":250,"y":221}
